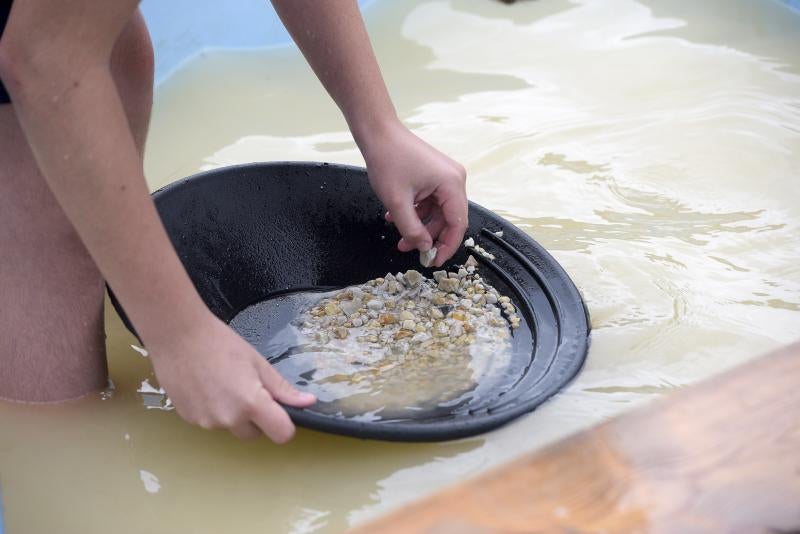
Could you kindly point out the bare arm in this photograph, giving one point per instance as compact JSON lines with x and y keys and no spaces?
{"x":403,"y":170}
{"x":71,"y":112}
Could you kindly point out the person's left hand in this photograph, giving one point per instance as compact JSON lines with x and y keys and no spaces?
{"x":423,"y":190}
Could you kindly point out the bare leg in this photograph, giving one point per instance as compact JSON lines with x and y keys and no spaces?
{"x":52,"y":345}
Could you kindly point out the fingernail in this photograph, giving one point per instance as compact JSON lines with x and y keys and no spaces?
{"x":306,"y":397}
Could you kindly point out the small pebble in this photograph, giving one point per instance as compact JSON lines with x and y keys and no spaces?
{"x":426,"y":258}
{"x":413,"y":278}
{"x":350,"y":307}
{"x":459,"y":316}
{"x":469,"y":242}
{"x":456,"y":330}
{"x":440,"y":329}
{"x":340,"y":332}
{"x":420,"y":337}
{"x":449,"y":285}
{"x":375,"y":304}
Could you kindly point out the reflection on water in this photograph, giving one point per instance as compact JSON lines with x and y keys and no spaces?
{"x":652,"y":146}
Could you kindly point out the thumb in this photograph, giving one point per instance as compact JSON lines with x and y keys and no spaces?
{"x":407,"y":221}
{"x":281,"y":390}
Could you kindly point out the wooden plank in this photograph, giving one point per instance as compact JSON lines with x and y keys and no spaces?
{"x":719,"y":456}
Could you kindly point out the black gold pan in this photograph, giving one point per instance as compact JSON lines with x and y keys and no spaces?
{"x":252,"y":232}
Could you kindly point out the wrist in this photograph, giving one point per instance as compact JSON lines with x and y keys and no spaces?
{"x":369,"y":128}
{"x":166,"y":324}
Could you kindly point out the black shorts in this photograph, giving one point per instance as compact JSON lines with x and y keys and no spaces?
{"x":5,"y":9}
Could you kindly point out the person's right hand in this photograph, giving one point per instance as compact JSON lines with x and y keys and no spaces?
{"x":216,"y":379}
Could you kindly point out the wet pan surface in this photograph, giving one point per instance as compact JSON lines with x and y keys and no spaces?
{"x":250,"y":235}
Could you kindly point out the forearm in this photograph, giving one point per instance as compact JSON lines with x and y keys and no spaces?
{"x":76,"y":125}
{"x":334,"y":41}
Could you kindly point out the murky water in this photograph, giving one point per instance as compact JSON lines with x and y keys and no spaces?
{"x":652,"y":146}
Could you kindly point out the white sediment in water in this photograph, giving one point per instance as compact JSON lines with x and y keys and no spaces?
{"x":150,"y":481}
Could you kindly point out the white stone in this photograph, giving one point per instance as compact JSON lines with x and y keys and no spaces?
{"x":350,"y":307}
{"x":449,"y":285}
{"x":406,"y":315}
{"x":456,"y":330}
{"x":426,"y":258}
{"x":420,"y":337}
{"x":375,"y":304}
{"x":413,"y":278}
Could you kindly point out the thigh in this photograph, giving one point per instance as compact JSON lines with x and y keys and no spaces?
{"x":52,"y":345}
{"x":51,"y":337}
